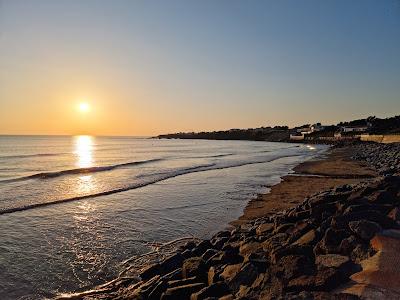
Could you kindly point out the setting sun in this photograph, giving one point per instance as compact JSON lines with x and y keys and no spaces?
{"x":83,"y":107}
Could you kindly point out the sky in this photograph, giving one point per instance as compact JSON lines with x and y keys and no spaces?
{"x":152,"y":67}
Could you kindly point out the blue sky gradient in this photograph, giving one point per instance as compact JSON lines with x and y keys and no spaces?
{"x":164,"y":66}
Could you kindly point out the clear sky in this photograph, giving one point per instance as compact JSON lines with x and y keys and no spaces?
{"x":149,"y":67}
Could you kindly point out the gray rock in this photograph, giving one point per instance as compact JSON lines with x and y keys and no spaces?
{"x":365,"y":229}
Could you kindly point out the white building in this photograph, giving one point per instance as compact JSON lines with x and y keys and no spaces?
{"x":354,"y":128}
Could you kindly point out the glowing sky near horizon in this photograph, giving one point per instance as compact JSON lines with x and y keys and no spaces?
{"x":150,"y":67}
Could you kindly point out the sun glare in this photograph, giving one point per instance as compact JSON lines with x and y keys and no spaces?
{"x":83,"y":107}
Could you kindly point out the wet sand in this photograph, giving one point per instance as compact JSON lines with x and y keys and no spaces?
{"x":333,"y":169}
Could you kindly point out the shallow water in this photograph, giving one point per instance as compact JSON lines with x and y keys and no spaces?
{"x":73,"y":208}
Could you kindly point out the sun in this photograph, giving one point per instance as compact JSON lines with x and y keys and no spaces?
{"x":83,"y":107}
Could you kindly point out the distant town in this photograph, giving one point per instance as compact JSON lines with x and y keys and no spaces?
{"x":368,"y":129}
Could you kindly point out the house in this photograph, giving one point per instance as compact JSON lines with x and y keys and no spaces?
{"x":354,"y":128}
{"x":317,"y":127}
{"x":304,"y":130}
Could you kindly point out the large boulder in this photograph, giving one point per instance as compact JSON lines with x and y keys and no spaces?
{"x":331,"y":261}
{"x":365,"y":229}
{"x":264,"y":229}
{"x":240,"y":274}
{"x":194,"y":266}
{"x":308,"y":238}
{"x":330,"y":243}
{"x":172,"y":263}
{"x":250,"y":247}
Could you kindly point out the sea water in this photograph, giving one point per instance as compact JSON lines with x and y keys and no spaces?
{"x":72,"y":208}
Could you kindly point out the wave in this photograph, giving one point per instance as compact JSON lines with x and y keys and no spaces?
{"x":218,"y":155}
{"x":48,"y":175}
{"x":158,"y":178}
{"x":30,"y":155}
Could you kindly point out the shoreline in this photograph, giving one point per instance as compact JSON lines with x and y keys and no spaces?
{"x":308,"y":238}
{"x":335,"y":167}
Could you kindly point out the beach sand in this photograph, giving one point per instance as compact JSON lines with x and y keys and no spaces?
{"x":334,"y":169}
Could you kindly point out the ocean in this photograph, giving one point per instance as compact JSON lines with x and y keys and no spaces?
{"x":72,"y":208}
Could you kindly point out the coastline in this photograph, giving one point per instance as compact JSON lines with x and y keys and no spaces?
{"x":334,"y":168}
{"x":309,"y":238}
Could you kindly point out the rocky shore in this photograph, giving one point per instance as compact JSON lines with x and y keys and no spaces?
{"x":316,"y":249}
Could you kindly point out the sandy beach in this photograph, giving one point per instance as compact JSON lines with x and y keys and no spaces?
{"x":333,"y":169}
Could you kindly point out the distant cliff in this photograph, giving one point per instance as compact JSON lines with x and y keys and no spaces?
{"x":275,"y":134}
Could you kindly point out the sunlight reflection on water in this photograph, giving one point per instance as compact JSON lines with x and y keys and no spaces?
{"x":83,"y":145}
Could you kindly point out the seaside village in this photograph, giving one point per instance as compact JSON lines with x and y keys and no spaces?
{"x":371,"y":129}
{"x":330,"y":132}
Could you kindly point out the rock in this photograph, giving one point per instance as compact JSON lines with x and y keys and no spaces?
{"x":298,"y":215}
{"x":365,"y":229}
{"x":194,"y":266}
{"x":275,"y":242}
{"x":150,"y":271}
{"x":182,"y":292}
{"x":212,"y":275}
{"x":283,"y":228}
{"x":318,"y":211}
{"x":308,"y":238}
{"x":216,"y":259}
{"x":332,"y":261}
{"x":348,"y":245}
{"x":381,"y":197}
{"x":331,"y":241}
{"x":301,"y":283}
{"x":187,"y":253}
{"x":202,"y":247}
{"x":277,"y":254}
{"x":186,"y":281}
{"x":238,"y":275}
{"x":264,"y":229}
{"x":259,"y":260}
{"x":247,"y":248}
{"x":243,"y":292}
{"x":292,"y":266}
{"x":299,"y":229}
{"x":174,"y":275}
{"x":172,"y":263}
{"x":158,"y":290}
{"x":230,"y":271}
{"x":219,"y":242}
{"x":394,"y":214}
{"x":144,"y":289}
{"x":230,"y":255}
{"x":208,"y":254}
{"x":189,"y":245}
{"x":326,"y":279}
{"x":227,"y":297}
{"x":329,"y":278}
{"x":217,"y":289}
{"x":224,"y":233}
{"x":341,"y":222}
{"x":361,"y":252}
